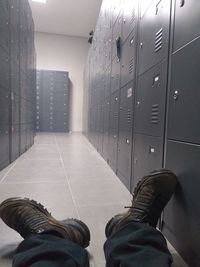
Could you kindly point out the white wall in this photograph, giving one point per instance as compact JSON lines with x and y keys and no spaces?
{"x":67,"y":53}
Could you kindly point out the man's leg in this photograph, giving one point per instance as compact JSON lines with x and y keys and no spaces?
{"x":139,"y":245}
{"x":50,"y":250}
{"x":48,"y":242}
{"x":132,"y":238}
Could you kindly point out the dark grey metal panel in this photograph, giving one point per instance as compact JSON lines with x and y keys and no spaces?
{"x":150,"y":101}
{"x":114,"y":110}
{"x":4,"y":141}
{"x":23,"y":138}
{"x":148,"y":152}
{"x":4,"y":26}
{"x":129,"y":8}
{"x":153,"y":34}
{"x":106,"y":108}
{"x":184,"y":108}
{"x":15,"y":142}
{"x":185,"y":30}
{"x":117,"y":28}
{"x":125,"y":134}
{"x":115,"y":76}
{"x":128,"y":59}
{"x":4,"y":106}
{"x":15,"y":102}
{"x":112,"y":149}
{"x":4,"y":68}
{"x":182,"y":213}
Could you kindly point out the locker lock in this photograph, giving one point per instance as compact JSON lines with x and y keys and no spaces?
{"x":182,"y":3}
{"x":151,"y":150}
{"x":141,"y":45}
{"x":176,"y":95}
{"x":127,"y":141}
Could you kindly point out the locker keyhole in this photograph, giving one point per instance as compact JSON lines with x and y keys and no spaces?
{"x":182,"y":3}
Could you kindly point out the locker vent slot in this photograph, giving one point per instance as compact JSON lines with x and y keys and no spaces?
{"x":158,"y":40}
{"x":131,"y":65}
{"x":154,"y":114}
{"x":129,"y":118}
{"x":133,"y":16}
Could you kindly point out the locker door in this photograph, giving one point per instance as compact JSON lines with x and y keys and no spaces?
{"x":4,"y":141}
{"x":113,"y":130}
{"x":4,"y":26}
{"x":117,"y":28}
{"x":184,"y":108}
{"x":185,"y":29}
{"x":115,"y":76}
{"x":150,"y":101}
{"x":4,"y":107}
{"x":125,"y":134}
{"x":148,"y":152}
{"x":129,"y":18}
{"x":128,"y":59}
{"x":4,"y":68}
{"x":107,"y":82}
{"x":106,"y":128}
{"x":182,"y":214}
{"x":15,"y":138}
{"x":153,"y":33}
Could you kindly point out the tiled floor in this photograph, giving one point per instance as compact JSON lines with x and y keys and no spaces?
{"x":66,"y":174}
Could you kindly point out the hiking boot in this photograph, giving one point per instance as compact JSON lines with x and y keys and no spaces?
{"x":28,"y":217}
{"x":150,"y":196}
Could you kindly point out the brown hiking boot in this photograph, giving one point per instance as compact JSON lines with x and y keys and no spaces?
{"x":150,"y":197}
{"x":28,"y":217}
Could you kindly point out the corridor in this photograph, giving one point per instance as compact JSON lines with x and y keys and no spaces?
{"x":67,"y":175}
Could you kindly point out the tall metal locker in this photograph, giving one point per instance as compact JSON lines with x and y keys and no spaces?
{"x":125,"y":134}
{"x":52,"y":101}
{"x":150,"y":101}
{"x":182,"y":215}
{"x":182,"y":146}
{"x":154,"y":21}
{"x":185,"y":94}
{"x":113,"y":130}
{"x":4,"y":84}
{"x":106,"y":109}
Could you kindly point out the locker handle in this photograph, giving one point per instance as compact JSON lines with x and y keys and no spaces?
{"x":118,"y":44}
{"x":182,"y":3}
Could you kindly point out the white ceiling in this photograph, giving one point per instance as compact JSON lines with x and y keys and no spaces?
{"x":70,"y":17}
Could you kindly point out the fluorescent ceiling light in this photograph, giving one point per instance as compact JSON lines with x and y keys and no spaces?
{"x":40,"y":1}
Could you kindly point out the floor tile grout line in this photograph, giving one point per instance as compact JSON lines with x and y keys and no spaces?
{"x":5,"y":175}
{"x":65,"y":172}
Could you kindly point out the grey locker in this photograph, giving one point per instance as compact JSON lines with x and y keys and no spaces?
{"x":15,"y":104}
{"x":112,"y":149}
{"x":186,"y":23}
{"x":4,"y":28}
{"x":182,"y":213}
{"x":15,"y":142}
{"x":115,"y":9}
{"x":128,"y":59}
{"x":115,"y":76}
{"x":184,"y":108}
{"x":114,"y":110}
{"x":125,"y":134}
{"x":4,"y":106}
{"x":14,"y":29}
{"x":148,"y":153}
{"x":4,"y":68}
{"x":150,"y":101}
{"x":14,"y":78}
{"x":116,"y":38}
{"x":106,"y":110}
{"x":100,"y":130}
{"x":23,"y":138}
{"x":153,"y":34}
{"x":129,"y":18}
{"x":4,"y":141}
{"x":52,"y":101}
